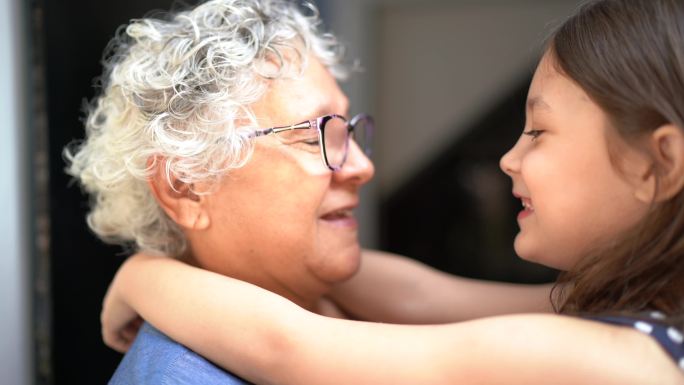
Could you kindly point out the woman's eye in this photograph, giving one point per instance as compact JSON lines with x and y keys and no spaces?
{"x":311,"y":142}
{"x":309,"y":145}
{"x":300,"y":139}
{"x":533,"y":133}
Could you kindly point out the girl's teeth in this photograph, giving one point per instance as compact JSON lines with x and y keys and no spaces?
{"x":527,"y":206}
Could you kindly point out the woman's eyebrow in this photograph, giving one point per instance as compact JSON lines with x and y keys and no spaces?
{"x":330,"y":107}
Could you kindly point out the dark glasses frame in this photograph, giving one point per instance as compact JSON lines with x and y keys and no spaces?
{"x":318,"y":124}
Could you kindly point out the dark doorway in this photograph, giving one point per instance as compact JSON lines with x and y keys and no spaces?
{"x":75,"y":33}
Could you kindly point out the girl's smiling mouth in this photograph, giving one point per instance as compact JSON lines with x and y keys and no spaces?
{"x":528,"y":208}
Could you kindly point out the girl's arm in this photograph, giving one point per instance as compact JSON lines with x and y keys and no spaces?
{"x":269,"y":340}
{"x":391,"y":288}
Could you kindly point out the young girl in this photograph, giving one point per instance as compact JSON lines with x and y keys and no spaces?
{"x":599,"y":169}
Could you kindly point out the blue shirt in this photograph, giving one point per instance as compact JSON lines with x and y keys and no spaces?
{"x":155,"y":359}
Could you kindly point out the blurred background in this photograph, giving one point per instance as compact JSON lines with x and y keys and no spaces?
{"x":446,"y":81}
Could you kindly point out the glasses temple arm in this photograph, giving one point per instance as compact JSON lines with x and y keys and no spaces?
{"x":298,"y":126}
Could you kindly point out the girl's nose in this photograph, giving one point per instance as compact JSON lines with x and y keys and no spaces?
{"x":510,"y":161}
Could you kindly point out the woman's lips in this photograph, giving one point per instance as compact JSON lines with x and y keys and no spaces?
{"x":341,"y":218}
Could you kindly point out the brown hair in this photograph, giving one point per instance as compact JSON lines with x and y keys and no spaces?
{"x":628,"y":56}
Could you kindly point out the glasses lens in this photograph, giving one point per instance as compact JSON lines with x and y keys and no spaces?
{"x":335,"y":139}
{"x":363,"y":132}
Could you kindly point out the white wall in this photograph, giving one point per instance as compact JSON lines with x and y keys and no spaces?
{"x":15,"y":347}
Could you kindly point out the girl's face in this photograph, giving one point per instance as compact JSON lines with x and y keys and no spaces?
{"x":573,"y":197}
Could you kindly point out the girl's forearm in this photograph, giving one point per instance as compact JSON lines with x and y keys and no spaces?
{"x":396,"y":289}
{"x":214,"y":315}
{"x":269,"y":340}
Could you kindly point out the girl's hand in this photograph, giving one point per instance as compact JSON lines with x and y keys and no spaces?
{"x":120,"y":323}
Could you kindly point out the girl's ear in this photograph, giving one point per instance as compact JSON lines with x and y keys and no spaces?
{"x":178,"y":199}
{"x":667,"y":148}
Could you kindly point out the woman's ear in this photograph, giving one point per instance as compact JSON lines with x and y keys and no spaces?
{"x":667,"y":148}
{"x":177,"y":198}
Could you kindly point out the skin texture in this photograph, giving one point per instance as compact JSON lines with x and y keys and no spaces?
{"x":577,"y":196}
{"x":269,"y":223}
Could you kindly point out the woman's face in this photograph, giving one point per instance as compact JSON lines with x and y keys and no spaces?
{"x":284,"y":220}
{"x":573,"y":197}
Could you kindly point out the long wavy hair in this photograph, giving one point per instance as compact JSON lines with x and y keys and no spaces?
{"x":628,"y":56}
{"x":177,"y":88}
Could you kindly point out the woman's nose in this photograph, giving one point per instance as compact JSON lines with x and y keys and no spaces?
{"x":358,"y":168}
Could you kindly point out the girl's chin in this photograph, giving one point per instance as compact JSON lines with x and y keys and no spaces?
{"x":532,"y":254}
{"x":524,"y":250}
{"x":529,"y":257}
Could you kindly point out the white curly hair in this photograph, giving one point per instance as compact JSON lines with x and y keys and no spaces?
{"x":177,"y":89}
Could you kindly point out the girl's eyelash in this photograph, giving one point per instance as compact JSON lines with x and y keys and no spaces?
{"x":533,"y":133}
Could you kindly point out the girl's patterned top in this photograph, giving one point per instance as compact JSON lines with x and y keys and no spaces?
{"x":653,"y":323}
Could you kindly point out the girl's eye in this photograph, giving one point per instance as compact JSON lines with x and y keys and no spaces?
{"x":533,"y":133}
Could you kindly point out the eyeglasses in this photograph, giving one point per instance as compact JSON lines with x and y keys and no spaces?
{"x":331,"y":133}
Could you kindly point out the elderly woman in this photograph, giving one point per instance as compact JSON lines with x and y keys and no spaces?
{"x":220,"y":138}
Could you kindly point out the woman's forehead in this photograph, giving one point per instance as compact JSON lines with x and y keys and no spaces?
{"x":292,"y":100}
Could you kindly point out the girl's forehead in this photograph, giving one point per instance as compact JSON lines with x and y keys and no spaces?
{"x":547,"y":79}
{"x":553,"y":92}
